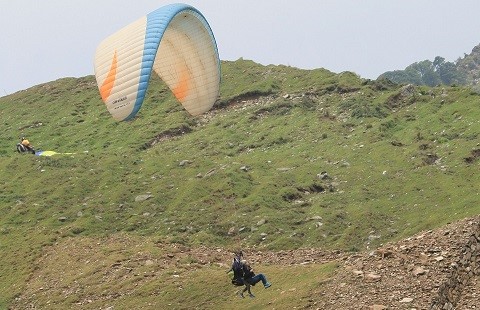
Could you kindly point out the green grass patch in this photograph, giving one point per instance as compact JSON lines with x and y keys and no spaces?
{"x":247,"y":174}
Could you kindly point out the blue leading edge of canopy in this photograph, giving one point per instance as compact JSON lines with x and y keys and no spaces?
{"x":157,"y":23}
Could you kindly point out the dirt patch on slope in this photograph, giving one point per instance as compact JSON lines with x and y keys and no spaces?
{"x":402,"y":275}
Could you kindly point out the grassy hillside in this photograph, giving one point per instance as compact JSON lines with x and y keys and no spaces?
{"x":288,"y":159}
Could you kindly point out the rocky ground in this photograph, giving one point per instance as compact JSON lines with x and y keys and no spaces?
{"x":402,"y":275}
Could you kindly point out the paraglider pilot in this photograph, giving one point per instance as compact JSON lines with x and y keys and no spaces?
{"x":25,"y":146}
{"x":243,"y":275}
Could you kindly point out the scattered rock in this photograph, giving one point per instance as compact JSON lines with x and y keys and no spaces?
{"x":423,"y":258}
{"x":419,"y":271}
{"x":357,"y":272}
{"x":372,"y":277}
{"x":140,"y":198}
{"x":323,"y":175}
{"x":407,"y":90}
{"x":406,"y":300}
{"x":428,"y":271}
{"x":184,"y":162}
{"x":261,"y":222}
{"x":210,"y":172}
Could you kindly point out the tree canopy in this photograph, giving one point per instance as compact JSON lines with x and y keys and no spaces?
{"x":428,"y":73}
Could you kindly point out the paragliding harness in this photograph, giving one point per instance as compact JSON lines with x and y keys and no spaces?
{"x":24,"y":149}
{"x":237,"y":272}
{"x":241,"y":273}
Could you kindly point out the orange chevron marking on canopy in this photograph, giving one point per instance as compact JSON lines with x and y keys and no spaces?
{"x":181,"y":90}
{"x":107,"y":86}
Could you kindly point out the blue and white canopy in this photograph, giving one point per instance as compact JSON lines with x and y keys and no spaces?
{"x":177,"y":43}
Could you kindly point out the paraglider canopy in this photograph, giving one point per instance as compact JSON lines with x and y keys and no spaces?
{"x":177,"y":43}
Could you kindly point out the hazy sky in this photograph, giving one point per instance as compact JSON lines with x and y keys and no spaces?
{"x":43,"y":40}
